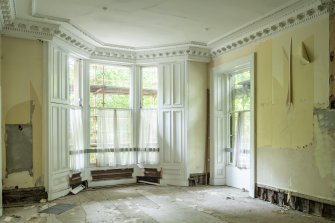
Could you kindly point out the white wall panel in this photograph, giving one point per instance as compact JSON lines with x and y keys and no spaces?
{"x":166,"y":136}
{"x":178,"y":76}
{"x":172,"y":87}
{"x":166,"y":84}
{"x":58,"y":154}
{"x":178,"y":136}
{"x":58,"y":79}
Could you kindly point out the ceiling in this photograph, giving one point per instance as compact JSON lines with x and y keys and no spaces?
{"x":147,"y":23}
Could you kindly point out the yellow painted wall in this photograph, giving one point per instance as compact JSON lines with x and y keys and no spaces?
{"x":21,"y":79}
{"x":291,"y":151}
{"x":197,"y":84}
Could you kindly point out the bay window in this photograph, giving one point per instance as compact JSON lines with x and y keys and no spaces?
{"x":123,"y":124}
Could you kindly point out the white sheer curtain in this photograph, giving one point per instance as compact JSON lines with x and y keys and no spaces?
{"x":148,"y":151}
{"x":114,"y":138}
{"x":76,"y":140}
{"x":242,"y":140}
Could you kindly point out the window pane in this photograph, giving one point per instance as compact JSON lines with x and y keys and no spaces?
{"x":149,"y":87}
{"x":240,"y":91}
{"x":74,"y":82}
{"x":109,"y":86}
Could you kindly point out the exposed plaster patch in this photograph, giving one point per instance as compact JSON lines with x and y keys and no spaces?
{"x":32,"y":109}
{"x":324,"y":133}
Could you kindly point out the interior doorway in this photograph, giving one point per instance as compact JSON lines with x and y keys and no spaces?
{"x":232,"y":125}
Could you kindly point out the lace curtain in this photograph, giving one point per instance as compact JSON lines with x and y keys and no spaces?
{"x":242,"y":140}
{"x":148,"y":151}
{"x":76,"y":140}
{"x":114,"y":138}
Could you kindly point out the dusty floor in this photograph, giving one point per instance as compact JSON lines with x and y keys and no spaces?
{"x":143,"y":203}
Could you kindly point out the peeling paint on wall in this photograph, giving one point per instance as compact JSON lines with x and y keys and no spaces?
{"x":295,"y":147}
{"x":22,"y":96}
{"x":324,"y":126}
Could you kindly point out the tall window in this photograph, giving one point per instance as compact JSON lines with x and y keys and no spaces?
{"x":148,"y":151}
{"x":111,"y":122}
{"x":239,"y":117}
{"x":75,"y":137}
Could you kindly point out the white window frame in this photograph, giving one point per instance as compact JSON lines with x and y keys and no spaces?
{"x":218,"y":164}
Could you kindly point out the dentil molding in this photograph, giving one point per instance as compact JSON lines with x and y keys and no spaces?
{"x":298,"y":13}
{"x":7,"y":12}
{"x":75,"y":38}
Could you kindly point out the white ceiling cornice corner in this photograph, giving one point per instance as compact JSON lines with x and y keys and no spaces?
{"x":330,"y":4}
{"x":158,"y":54}
{"x":290,"y":16}
{"x":190,"y":50}
{"x":30,"y":29}
{"x":7,"y":12}
{"x":74,"y":41}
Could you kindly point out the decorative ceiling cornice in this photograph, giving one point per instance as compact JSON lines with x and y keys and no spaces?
{"x":76,"y":38}
{"x":7,"y":12}
{"x":330,"y":4}
{"x":154,"y":54}
{"x":75,"y":41}
{"x":292,"y":15}
{"x":30,"y":29}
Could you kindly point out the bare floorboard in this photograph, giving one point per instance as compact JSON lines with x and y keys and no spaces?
{"x":146,"y":203}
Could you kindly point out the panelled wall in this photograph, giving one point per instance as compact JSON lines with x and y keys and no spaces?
{"x":182,"y":90}
{"x":172,"y":121}
{"x":58,"y":111}
{"x":218,"y":124}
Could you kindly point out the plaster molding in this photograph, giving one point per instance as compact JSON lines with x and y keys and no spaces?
{"x":288,"y":17}
{"x":186,"y":52}
{"x":74,"y":41}
{"x":30,"y":29}
{"x":330,"y":4}
{"x":7,"y":12}
{"x":76,"y":38}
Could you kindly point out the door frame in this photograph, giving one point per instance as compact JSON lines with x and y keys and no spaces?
{"x":217,"y":145}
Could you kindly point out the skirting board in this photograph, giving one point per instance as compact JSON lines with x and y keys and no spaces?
{"x":55,"y":195}
{"x":104,"y":183}
{"x":182,"y":183}
{"x":217,"y":181}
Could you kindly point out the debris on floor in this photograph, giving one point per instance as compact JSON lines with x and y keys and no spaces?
{"x":58,"y":209}
{"x":77,"y":189}
{"x":152,"y":204}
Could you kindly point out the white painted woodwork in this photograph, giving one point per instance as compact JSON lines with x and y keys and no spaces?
{"x":218,"y":123}
{"x":58,"y":75}
{"x":57,"y":154}
{"x":58,"y":150}
{"x":171,"y":86}
{"x":223,"y":173}
{"x":172,"y":129}
{"x":172,"y":123}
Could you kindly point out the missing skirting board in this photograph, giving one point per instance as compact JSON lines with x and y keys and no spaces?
{"x":295,"y":201}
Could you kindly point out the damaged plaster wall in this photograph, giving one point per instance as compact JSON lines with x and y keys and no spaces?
{"x":1,"y":129}
{"x":22,"y":70}
{"x":295,"y":146}
{"x":197,"y":85}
